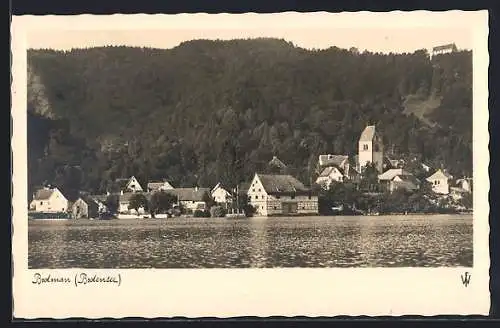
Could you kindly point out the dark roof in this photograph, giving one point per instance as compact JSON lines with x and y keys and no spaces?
{"x":282,"y":184}
{"x":189,"y":193}
{"x":332,"y":160}
{"x":276,"y":162}
{"x":43,"y":194}
{"x":89,"y":200}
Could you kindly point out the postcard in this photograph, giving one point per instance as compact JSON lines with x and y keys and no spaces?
{"x":226,"y":165}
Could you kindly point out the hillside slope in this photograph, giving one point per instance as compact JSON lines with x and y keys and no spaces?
{"x":197,"y":112}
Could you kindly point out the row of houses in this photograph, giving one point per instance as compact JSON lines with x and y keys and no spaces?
{"x":269,"y":194}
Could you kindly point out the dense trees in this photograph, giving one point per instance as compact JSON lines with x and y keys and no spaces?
{"x":210,"y":111}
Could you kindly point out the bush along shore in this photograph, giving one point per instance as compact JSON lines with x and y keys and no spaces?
{"x":347,"y":199}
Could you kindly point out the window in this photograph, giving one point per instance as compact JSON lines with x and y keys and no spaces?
{"x":253,"y":189}
{"x":277,"y":196}
{"x":365,"y":147}
{"x":256,"y":197}
{"x":41,"y":203}
{"x":292,"y":197}
{"x":259,"y":189}
{"x":310,"y":196}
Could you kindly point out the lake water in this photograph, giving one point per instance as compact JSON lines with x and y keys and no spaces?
{"x":369,"y":241}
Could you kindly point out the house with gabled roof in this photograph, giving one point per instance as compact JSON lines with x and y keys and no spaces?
{"x":440,"y":182}
{"x":334,"y":168}
{"x":159,"y":186}
{"x":123,"y":185}
{"x":86,"y":207}
{"x":280,"y":194}
{"x":394,"y":179}
{"x":275,"y":165}
{"x":328,"y":176}
{"x":49,"y":200}
{"x":190,"y":198}
{"x":221,"y":194}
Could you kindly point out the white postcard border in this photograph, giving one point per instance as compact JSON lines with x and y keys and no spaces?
{"x":255,"y":292}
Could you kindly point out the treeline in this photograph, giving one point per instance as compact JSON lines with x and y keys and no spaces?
{"x":209,"y":111}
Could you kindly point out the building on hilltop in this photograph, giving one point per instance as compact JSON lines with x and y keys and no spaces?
{"x":370,"y":149}
{"x":276,"y":194}
{"x":444,"y":49}
{"x":49,"y":200}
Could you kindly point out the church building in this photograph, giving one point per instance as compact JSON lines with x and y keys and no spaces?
{"x":370,"y":149}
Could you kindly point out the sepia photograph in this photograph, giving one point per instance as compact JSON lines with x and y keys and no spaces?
{"x":249,"y":152}
{"x":251,"y":147}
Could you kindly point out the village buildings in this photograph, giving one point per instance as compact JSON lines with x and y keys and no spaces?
{"x":276,"y":194}
{"x":49,"y":200}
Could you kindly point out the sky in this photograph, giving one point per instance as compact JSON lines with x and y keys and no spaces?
{"x":398,"y":32}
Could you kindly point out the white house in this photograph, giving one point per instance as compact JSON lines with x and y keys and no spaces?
{"x":49,"y":200}
{"x":370,"y":149}
{"x":276,"y":194}
{"x":190,"y":198}
{"x":220,"y":194}
{"x":328,"y":176}
{"x":159,"y":186}
{"x":440,"y":182}
{"x":394,"y":179}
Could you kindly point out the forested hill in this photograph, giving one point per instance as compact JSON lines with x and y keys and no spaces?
{"x":219,"y":110}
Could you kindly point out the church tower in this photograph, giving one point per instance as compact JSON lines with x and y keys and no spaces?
{"x":370,"y":149}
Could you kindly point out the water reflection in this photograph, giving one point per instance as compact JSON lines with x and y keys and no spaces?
{"x":391,"y":241}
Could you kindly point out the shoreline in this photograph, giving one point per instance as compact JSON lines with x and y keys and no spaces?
{"x":196,"y":219}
